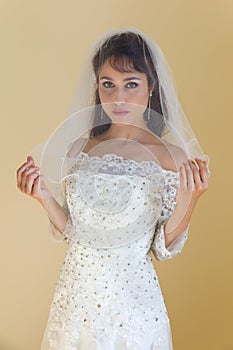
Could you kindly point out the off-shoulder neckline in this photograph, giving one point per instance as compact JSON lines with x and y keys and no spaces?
{"x":116,"y":156}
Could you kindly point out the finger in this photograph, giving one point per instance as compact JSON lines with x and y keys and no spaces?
{"x":36,"y":185}
{"x":30,"y":159}
{"x":30,"y":181}
{"x":196,"y":175}
{"x":21,"y":170}
{"x":189,"y":176}
{"x":203,"y":170}
{"x":183,"y":181}
{"x":24,"y":166}
{"x":205,"y":176}
{"x":206,"y":171}
{"x":31,"y":178}
{"x":25,"y":175}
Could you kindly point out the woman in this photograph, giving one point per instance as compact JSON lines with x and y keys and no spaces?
{"x":131,"y":182}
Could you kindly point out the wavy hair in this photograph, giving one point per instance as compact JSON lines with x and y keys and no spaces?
{"x":128,"y":51}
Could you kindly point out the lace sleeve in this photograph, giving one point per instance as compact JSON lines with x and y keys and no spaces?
{"x":56,"y":234}
{"x":158,"y":244}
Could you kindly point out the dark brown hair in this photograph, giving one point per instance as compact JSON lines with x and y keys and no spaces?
{"x":128,"y":51}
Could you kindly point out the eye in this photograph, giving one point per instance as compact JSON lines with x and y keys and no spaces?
{"x":131,"y":85}
{"x":108,"y":84}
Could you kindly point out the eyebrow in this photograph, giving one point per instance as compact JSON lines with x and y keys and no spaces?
{"x":126,"y":79}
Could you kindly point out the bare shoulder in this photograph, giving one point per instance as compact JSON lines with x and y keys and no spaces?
{"x":169,"y":156}
{"x":178,"y":154}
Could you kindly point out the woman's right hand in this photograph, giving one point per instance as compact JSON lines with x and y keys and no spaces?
{"x":30,"y":182}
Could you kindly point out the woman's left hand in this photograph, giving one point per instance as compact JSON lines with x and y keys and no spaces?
{"x":193,"y":181}
{"x":200,"y":176}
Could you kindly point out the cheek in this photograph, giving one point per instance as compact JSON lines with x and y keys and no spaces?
{"x":141,"y":96}
{"x":140,"y":93}
{"x":104,"y":95}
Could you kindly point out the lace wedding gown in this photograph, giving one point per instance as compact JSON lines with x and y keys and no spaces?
{"x":108,"y":295}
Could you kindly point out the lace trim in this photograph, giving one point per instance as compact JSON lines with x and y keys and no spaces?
{"x":117,"y":164}
{"x":159,"y":249}
{"x":166,"y":180}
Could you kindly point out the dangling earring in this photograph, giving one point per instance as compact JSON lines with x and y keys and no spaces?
{"x":148,"y":113}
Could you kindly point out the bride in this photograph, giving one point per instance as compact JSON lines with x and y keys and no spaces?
{"x":130,"y":184}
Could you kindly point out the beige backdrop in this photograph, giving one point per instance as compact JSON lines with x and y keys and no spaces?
{"x":43,"y":45}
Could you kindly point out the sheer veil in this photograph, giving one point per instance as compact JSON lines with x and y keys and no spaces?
{"x":59,"y":153}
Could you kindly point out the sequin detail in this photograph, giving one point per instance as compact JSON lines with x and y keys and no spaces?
{"x":109,"y":290}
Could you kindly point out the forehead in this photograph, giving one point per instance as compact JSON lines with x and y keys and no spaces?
{"x":124,"y":71}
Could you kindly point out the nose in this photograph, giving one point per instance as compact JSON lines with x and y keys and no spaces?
{"x":119,"y":97}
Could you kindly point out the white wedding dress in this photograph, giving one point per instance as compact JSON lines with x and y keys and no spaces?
{"x":108,"y":295}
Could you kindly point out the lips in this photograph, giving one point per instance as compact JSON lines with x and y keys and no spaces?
{"x":120,"y":112}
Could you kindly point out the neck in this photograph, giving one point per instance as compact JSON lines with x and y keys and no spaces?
{"x":126,"y":131}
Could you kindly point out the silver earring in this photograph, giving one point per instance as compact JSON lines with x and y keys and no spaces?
{"x":148,"y":114}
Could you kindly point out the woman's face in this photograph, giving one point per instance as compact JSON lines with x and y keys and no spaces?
{"x":120,"y":89}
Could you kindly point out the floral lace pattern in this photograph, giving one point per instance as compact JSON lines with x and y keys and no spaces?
{"x":108,"y":295}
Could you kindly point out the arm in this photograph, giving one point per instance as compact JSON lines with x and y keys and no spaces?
{"x":32,"y":184}
{"x":56,"y":213}
{"x":172,"y":227}
{"x":193,"y":183}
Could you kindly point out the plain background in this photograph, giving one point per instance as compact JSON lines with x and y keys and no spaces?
{"x":43,"y":46}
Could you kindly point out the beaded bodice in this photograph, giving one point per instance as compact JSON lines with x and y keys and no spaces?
{"x":116,"y":209}
{"x":113,"y":201}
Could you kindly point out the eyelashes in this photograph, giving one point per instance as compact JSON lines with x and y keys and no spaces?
{"x":132,"y":85}
{"x":109,"y":84}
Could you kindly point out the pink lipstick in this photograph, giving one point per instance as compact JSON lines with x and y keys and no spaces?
{"x":120,"y":112}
